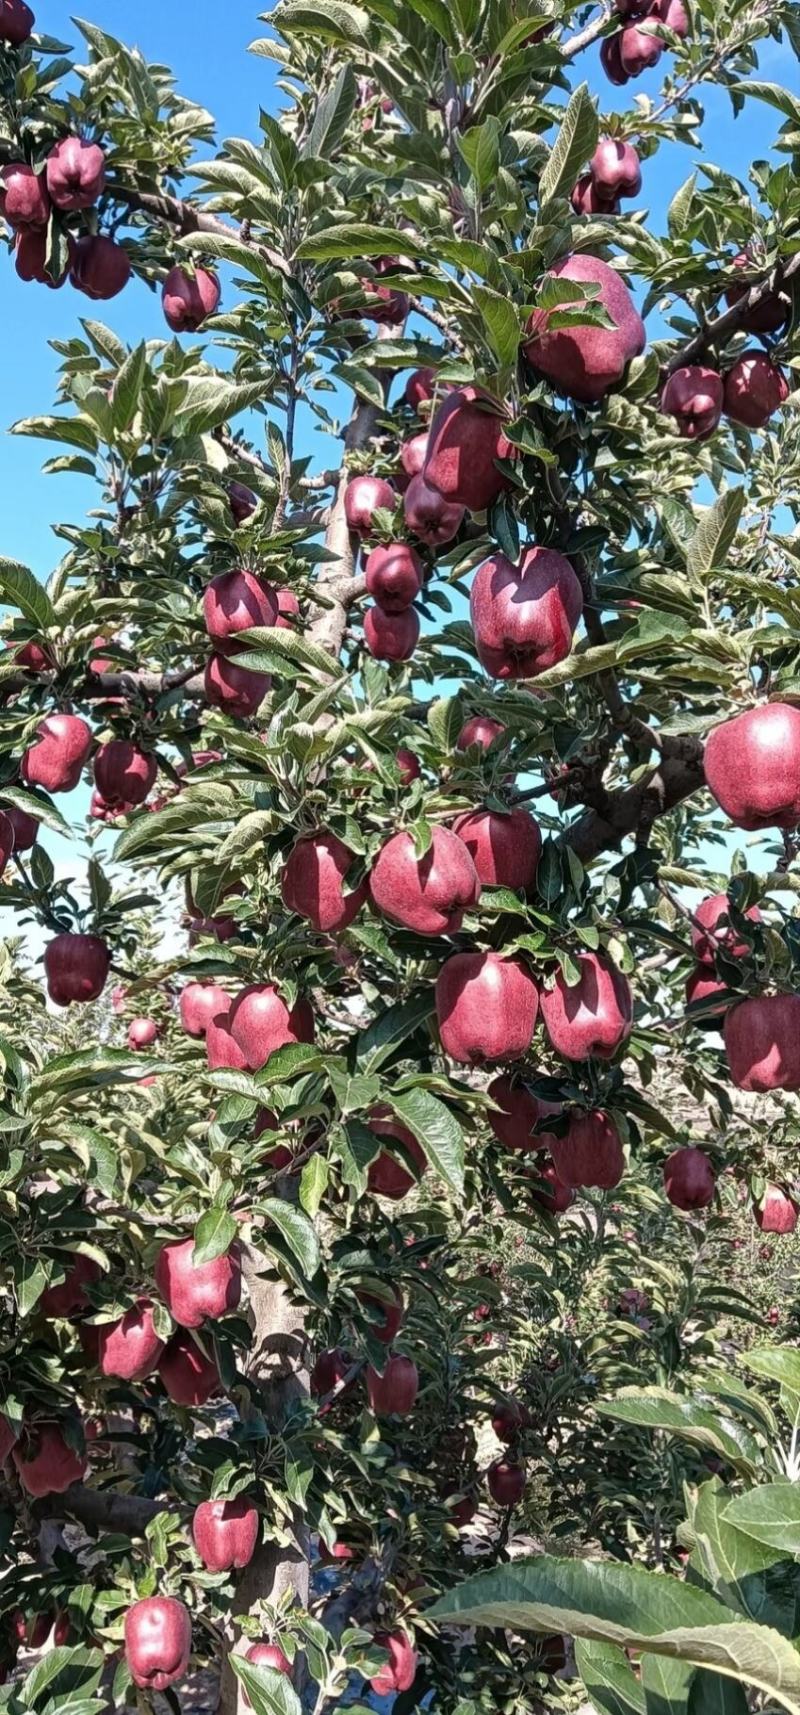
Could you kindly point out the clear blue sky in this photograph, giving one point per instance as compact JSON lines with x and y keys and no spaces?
{"x":206,"y":45}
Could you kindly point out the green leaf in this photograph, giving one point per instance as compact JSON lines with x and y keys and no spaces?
{"x":386,"y":1033}
{"x":30,"y":1282}
{"x":42,"y":808}
{"x":340,"y":243}
{"x":611,"y":1684}
{"x":214,"y":1235}
{"x":298,"y":1232}
{"x":501,"y":321}
{"x":335,"y":21}
{"x":334,"y":110}
{"x":685,"y":1417}
{"x":244,"y":256}
{"x":575,"y":142}
{"x":480,"y":148}
{"x":313,"y":1185}
{"x":21,"y":590}
{"x":680,"y":208}
{"x":210,"y":400}
{"x":436,"y":1128}
{"x":628,"y":1606}
{"x":268,"y":1690}
{"x":70,"y":1676}
{"x":127,"y":389}
{"x":713,"y":1694}
{"x":445,"y":719}
{"x":287,"y":646}
{"x":715,"y":533}
{"x":74,"y":431}
{"x":770,"y":1514}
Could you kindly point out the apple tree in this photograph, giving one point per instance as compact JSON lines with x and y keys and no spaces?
{"x":420,"y":1027}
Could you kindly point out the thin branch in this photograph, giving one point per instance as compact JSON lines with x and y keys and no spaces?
{"x":584,"y":38}
{"x":187,"y":219}
{"x":719,"y":329}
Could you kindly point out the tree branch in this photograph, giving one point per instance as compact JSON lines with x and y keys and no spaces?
{"x":720,"y":328}
{"x":174,"y":212}
{"x":106,"y":1509}
{"x":678,"y":775}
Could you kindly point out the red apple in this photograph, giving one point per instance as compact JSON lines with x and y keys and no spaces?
{"x":768,"y":316}
{"x":261,"y":1022}
{"x":428,"y":894}
{"x":394,"y":576}
{"x":16,"y":22}
{"x":188,"y":298}
{"x":25,"y":828}
{"x":76,"y":967}
{"x":363,"y":497}
{"x":412,"y":455}
{"x":242,"y":501}
{"x":611,"y":60}
{"x":199,"y":1003}
{"x":673,"y":13}
{"x":754,"y":389}
{"x":70,"y":1297}
{"x":288,"y":609}
{"x":777,"y":1212}
{"x":328,"y":1371}
{"x":428,"y":515}
{"x":615,"y":169}
{"x":524,"y":616}
{"x":195,"y":1292}
{"x":32,"y":1632}
{"x":23,"y":195}
{"x":391,"y":636}
{"x":384,"y":303}
{"x":505,"y":849}
{"x":45,"y":1464}
{"x":234,"y":602}
{"x":548,"y":1191}
{"x":158,"y":1642}
{"x":638,"y":51}
{"x":752,"y":767}
{"x":123,"y":773}
{"x":266,"y":1655}
{"x":313,"y":883}
{"x":506,"y":1482}
{"x":590,"y":1153}
{"x":587,"y":198}
{"x":689,"y":1179}
{"x":235,"y":689}
{"x":709,"y":938}
{"x":57,"y":756}
{"x":480,"y":730}
{"x":388,"y":1318}
{"x":225,"y":1533}
{"x":582,"y":361}
{"x":394,"y":1392}
{"x":487,"y":1007}
{"x":420,"y":387}
{"x":519,"y":1112}
{"x":399,"y":1672}
{"x":129,"y":1348}
{"x":465,"y":441}
{"x":408,"y":765}
{"x":188,"y":1377}
{"x":693,"y":396}
{"x":76,"y":173}
{"x":99,"y":268}
{"x":592,"y":1018}
{"x":762,"y":1042}
{"x":388,"y":1177}
{"x":30,"y":256}
{"x":221,"y":1049}
{"x":702,"y":984}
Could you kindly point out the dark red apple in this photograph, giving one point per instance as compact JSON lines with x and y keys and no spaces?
{"x":32,"y":1632}
{"x":777,"y":1212}
{"x":486,"y":1007}
{"x":30,"y":256}
{"x":57,"y":756}
{"x":23,"y":195}
{"x":519,"y":1112}
{"x":158,"y":1642}
{"x":394,"y":1392}
{"x":76,"y":967}
{"x":524,"y":616}
{"x":391,"y":636}
{"x":394,"y":576}
{"x":76,"y":173}
{"x":412,"y":455}
{"x":708,"y":934}
{"x":586,"y":198}
{"x":465,"y":441}
{"x":547,"y":1190}
{"x":638,"y":51}
{"x":508,"y":1418}
{"x":199,"y":1003}
{"x":70,"y":1297}
{"x":25,"y":828}
{"x":384,"y":303}
{"x":768,"y":316}
{"x":703,"y":984}
{"x":235,"y":689}
{"x":123,"y":773}
{"x":234,"y":602}
{"x":408,"y":765}
{"x":752,"y":767}
{"x":388,"y":1318}
{"x":420,"y":387}
{"x":399,"y":1672}
{"x":221,"y":1049}
{"x":45,"y":1464}
{"x":260,"y":1022}
{"x":363,"y":497}
{"x":754,"y":388}
{"x":288,"y":609}
{"x":480,"y":730}
{"x":225,"y":1533}
{"x":689,"y":1179}
{"x":428,"y":515}
{"x":130,"y":1348}
{"x":188,"y":1377}
{"x":590,"y":1153}
{"x":762,"y":1042}
{"x":195,"y":1292}
{"x":593,"y":1018}
{"x":673,"y":13}
{"x":615,"y":169}
{"x":387,"y":1176}
{"x":693,"y":396}
{"x":611,"y":60}
{"x":313,"y":883}
{"x":428,"y":894}
{"x":16,"y":22}
{"x":99,"y":268}
{"x":505,"y":849}
{"x":188,"y":298}
{"x":242,"y":501}
{"x":585,"y":362}
{"x":328,"y":1371}
{"x":506,"y":1482}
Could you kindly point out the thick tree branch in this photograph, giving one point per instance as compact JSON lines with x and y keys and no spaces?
{"x":106,"y":1509}
{"x":678,"y":775}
